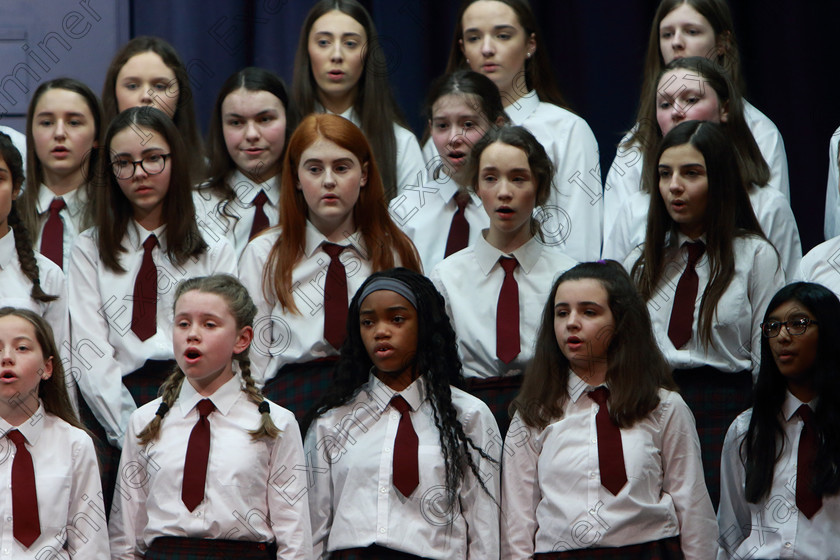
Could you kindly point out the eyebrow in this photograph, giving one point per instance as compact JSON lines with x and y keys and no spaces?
{"x":318,"y":160}
{"x":262,"y":112}
{"x":345,"y":34}
{"x":579,"y":304}
{"x":392,"y":308}
{"x":50,"y":113}
{"x":144,"y":152}
{"x":495,"y":28}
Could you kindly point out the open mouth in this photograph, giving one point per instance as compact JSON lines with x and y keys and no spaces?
{"x":335,"y":74}
{"x":8,"y":375}
{"x":192,"y":355}
{"x":505,"y":211}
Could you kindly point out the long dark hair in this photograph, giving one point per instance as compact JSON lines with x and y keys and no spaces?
{"x":375,"y":105}
{"x":23,"y":240}
{"x":539,"y":75}
{"x":636,"y":369}
{"x":727,"y":60}
{"x":184,"y":116}
{"x":763,"y":443}
{"x":754,"y":168}
{"x":728,"y":214}
{"x":114,"y":211}
{"x":478,"y":89}
{"x":35,"y":171}
{"x":436,"y":359}
{"x":221,"y":163}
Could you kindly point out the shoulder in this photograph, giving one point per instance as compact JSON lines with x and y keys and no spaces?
{"x":738,"y":429}
{"x":455,"y":263}
{"x":77,"y":439}
{"x":144,"y":414}
{"x":404,"y":135}
{"x":282,"y":417}
{"x":262,"y":244}
{"x":49,"y":272}
{"x":757,"y":119}
{"x":471,"y":410}
{"x":820,"y":254}
{"x":553,"y":257}
{"x":750,"y":244}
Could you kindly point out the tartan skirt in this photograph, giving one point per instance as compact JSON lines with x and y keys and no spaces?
{"x":143,"y":385}
{"x":665,"y":549}
{"x":497,"y":393}
{"x":716,"y":398}
{"x":373,"y":552}
{"x":298,"y":387}
{"x":183,"y":548}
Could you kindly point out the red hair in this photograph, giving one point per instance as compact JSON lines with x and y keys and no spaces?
{"x":370,"y":214}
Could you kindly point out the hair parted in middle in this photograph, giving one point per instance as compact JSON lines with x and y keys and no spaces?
{"x":381,"y":236}
{"x":636,"y":368}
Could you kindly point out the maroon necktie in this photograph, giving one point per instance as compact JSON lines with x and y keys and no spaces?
{"x":459,"y":230}
{"x":52,"y":240}
{"x":198,"y":450}
{"x":260,"y":219}
{"x":682,"y":314}
{"x":144,"y":312}
{"x":807,"y":500}
{"x":335,"y":297}
{"x":610,"y":451}
{"x":406,"y":470}
{"x":507,"y":314}
{"x":25,"y":520}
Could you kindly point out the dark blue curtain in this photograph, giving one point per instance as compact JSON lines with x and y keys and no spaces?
{"x":789,"y":52}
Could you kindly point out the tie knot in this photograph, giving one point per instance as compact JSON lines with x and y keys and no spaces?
{"x":400,"y":404}
{"x":150,"y":243}
{"x":16,"y":437}
{"x":807,"y":415}
{"x":205,"y":407}
{"x":462,"y":198}
{"x":332,"y":250}
{"x":695,"y":251}
{"x":508,"y":264}
{"x":600,"y":395}
{"x":57,"y":205}
{"x":260,"y":199}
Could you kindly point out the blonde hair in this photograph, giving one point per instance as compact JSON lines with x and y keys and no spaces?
{"x":243,"y":310}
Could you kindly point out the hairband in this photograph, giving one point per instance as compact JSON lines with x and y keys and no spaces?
{"x":390,"y":284}
{"x":162,"y":410}
{"x":264,"y":407}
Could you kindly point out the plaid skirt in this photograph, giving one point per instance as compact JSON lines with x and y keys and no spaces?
{"x":298,"y":387}
{"x":143,"y":385}
{"x":373,"y":552}
{"x":665,"y":549}
{"x":182,"y":548}
{"x":497,"y":393}
{"x":716,"y":398}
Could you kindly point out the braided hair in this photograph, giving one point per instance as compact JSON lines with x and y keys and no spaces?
{"x":436,"y":359}
{"x":242,"y":307}
{"x":23,"y":241}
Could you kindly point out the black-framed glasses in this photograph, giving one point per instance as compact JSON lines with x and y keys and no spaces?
{"x":152,"y":164}
{"x":795,"y":327}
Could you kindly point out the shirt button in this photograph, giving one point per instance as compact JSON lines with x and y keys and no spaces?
{"x":594,"y":440}
{"x":387,"y":449}
{"x":592,"y":475}
{"x":9,"y":518}
{"x":383,"y":490}
{"x":382,"y":530}
{"x":788,"y":544}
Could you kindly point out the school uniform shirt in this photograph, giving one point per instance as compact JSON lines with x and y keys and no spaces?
{"x":822,"y":265}
{"x":282,"y":337}
{"x":214,"y":224}
{"x":352,"y":498}
{"x":736,"y":335}
{"x":625,"y":175}
{"x":71,"y":216}
{"x":470,"y":282}
{"x":773,"y":528}
{"x":70,"y":508}
{"x":553,"y":500}
{"x":832,"y":195}
{"x":254,"y":490}
{"x":425,"y":216}
{"x":16,"y":290}
{"x":101,"y":303}
{"x":771,"y":209}
{"x":411,"y":169}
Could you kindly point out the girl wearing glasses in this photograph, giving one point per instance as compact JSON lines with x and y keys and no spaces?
{"x":780,"y":470}
{"x":123,"y":271}
{"x":707,"y":272}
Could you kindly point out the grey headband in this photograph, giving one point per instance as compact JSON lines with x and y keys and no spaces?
{"x":392,"y":285}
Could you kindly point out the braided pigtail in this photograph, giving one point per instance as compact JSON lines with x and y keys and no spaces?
{"x":26,"y":256}
{"x":266,"y":427}
{"x":170,"y":390}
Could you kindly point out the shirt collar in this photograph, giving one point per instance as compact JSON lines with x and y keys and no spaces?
{"x":523,"y":107}
{"x":792,"y":404}
{"x":31,"y":429}
{"x":247,"y":195}
{"x":223,"y":399}
{"x":577,"y":387}
{"x":137,"y":234}
{"x":314,"y":240}
{"x":447,"y":188}
{"x":349,"y":114}
{"x":526,"y":255}
{"x":74,"y":200}
{"x":381,"y":394}
{"x":8,"y":251}
{"x":683,"y":238}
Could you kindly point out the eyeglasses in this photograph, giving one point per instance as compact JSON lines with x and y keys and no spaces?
{"x":152,"y":164}
{"x":795,"y":327}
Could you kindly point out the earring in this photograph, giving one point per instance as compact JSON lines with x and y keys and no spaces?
{"x":528,"y":55}
{"x":468,"y":60}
